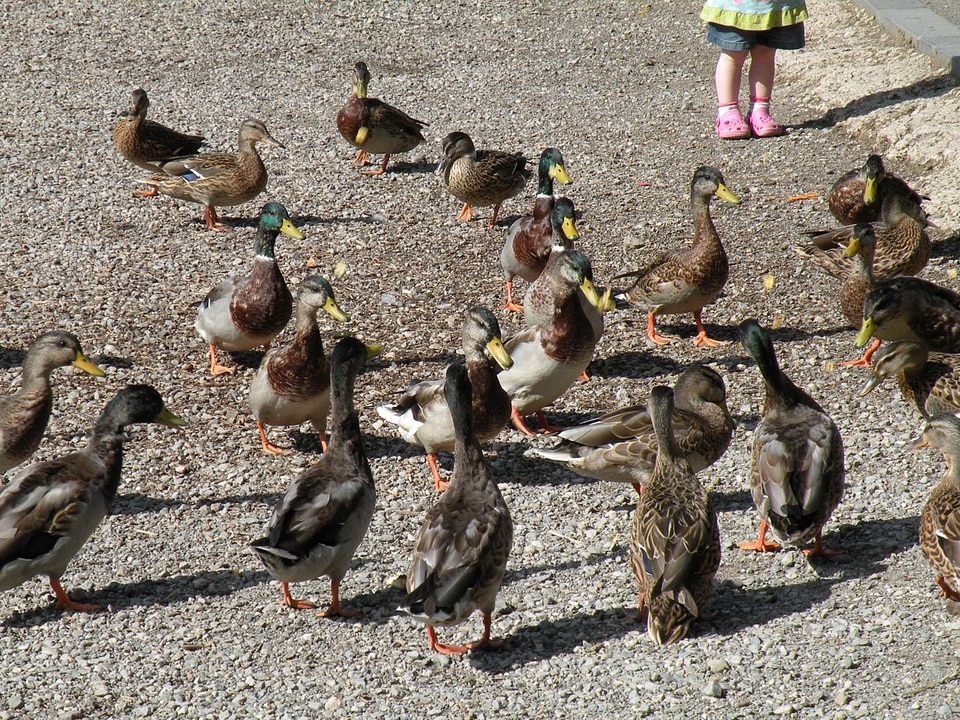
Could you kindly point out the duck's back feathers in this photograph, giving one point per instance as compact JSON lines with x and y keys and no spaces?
{"x":462,"y":548}
{"x":674,"y":537}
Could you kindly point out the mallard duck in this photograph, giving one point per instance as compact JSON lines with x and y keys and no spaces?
{"x":538,"y":304}
{"x":24,"y":415}
{"x":859,"y":283}
{"x":797,"y":469}
{"x":242,"y":313}
{"x":374,"y":126}
{"x":318,"y":525}
{"x":684,"y":281}
{"x":908,"y":308}
{"x":674,"y":536}
{"x":622,"y":446}
{"x":550,"y":356}
{"x":529,"y":238}
{"x":50,"y":508}
{"x":902,"y":243}
{"x":148,"y":144}
{"x":859,"y":193}
{"x":928,"y":380}
{"x":480,"y":177}
{"x":222,"y":179}
{"x":940,"y":517}
{"x":292,"y":384}
{"x":421,"y":414}
{"x":461,"y":550}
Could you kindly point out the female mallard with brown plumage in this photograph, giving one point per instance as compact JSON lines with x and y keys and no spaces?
{"x":375,"y":127}
{"x":908,"y":308}
{"x":292,"y":384}
{"x":148,"y":144}
{"x":902,"y":243}
{"x":218,"y":179}
{"x":242,"y":313}
{"x":463,"y":545}
{"x":51,"y":508}
{"x":940,"y":517}
{"x":480,"y":177}
{"x":674,"y":536}
{"x":621,"y":445}
{"x":928,"y":380}
{"x":317,"y":526}
{"x":684,"y":281}
{"x":797,"y":470}
{"x":422,"y":415}
{"x":858,"y":195}
{"x":527,"y":247}
{"x":24,"y":415}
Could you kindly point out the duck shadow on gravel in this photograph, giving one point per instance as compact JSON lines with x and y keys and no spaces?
{"x":733,"y":607}
{"x":148,"y":593}
{"x":948,"y":248}
{"x":11,"y":357}
{"x":551,"y":638}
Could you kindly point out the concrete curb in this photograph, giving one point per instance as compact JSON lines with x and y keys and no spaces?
{"x":919,"y":27}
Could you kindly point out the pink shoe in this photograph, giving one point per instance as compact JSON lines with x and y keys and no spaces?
{"x":762,"y":125}
{"x":730,"y":126}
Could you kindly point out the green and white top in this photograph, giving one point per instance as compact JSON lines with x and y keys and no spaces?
{"x":754,"y":15}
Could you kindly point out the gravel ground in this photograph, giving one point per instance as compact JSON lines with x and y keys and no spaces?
{"x":625,"y":91}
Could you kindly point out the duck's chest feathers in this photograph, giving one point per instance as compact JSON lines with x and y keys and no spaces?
{"x":250,"y":180}
{"x":532,"y":247}
{"x":569,"y":337}
{"x":264,"y":305}
{"x":24,"y":426}
{"x":491,"y":404}
{"x":301,"y":370}
{"x":707,"y":264}
{"x":350,"y":119}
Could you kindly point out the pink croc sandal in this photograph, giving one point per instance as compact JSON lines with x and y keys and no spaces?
{"x":730,"y":126}
{"x":762,"y":125}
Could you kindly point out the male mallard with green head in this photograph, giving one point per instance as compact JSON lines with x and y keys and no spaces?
{"x":375,"y":127}
{"x":242,"y":313}
{"x":292,"y":384}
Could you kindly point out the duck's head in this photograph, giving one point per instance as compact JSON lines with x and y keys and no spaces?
{"x":138,"y":104}
{"x":701,"y":382}
{"x":58,"y":348}
{"x":873,"y":172}
{"x":253,"y":131}
{"x":552,"y":167}
{"x":863,"y":242}
{"x":893,"y":358}
{"x":564,"y":222}
{"x":943,"y":433}
{"x":316,"y":292}
{"x":481,"y":334}
{"x":361,"y":78}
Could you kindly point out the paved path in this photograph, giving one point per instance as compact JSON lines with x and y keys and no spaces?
{"x":932,"y":26}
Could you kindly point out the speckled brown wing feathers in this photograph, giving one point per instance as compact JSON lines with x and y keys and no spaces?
{"x":797,"y":476}
{"x":940,"y":533}
{"x":675,"y":543}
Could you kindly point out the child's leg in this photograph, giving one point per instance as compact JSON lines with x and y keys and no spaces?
{"x":730,"y":123}
{"x":762,"y":71}
{"x":727,"y":76}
